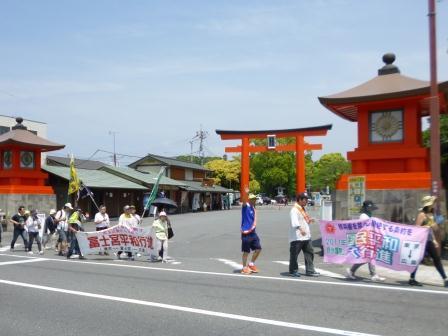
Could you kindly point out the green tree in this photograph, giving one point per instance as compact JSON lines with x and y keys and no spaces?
{"x":225,"y":173}
{"x":443,"y":148}
{"x":327,"y":170}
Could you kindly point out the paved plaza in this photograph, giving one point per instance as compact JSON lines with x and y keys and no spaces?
{"x":200,"y":292}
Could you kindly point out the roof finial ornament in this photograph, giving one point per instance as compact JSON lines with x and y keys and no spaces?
{"x":19,"y":124}
{"x":389,"y":68}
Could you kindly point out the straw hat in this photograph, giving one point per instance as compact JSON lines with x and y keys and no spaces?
{"x":428,"y":201}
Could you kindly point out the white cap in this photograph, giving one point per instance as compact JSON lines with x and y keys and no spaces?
{"x":52,"y":211}
{"x":163,"y":213}
{"x":68,"y":205}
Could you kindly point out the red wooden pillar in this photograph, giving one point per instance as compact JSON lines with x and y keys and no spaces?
{"x":300,"y":164}
{"x":244,"y":183}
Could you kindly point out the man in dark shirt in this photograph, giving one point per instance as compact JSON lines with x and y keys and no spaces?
{"x":19,"y":227}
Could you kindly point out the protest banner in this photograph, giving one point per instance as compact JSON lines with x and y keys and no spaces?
{"x":396,"y":246}
{"x":116,"y":238}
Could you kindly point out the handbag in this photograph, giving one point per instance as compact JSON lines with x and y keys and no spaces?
{"x":170,"y":232}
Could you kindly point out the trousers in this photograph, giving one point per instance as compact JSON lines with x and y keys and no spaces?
{"x":308,"y":252}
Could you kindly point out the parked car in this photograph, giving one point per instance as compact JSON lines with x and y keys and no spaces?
{"x":266,"y":200}
{"x":259,"y":201}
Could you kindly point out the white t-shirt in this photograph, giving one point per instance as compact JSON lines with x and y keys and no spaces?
{"x":101,"y":220}
{"x":32,"y":224}
{"x":137,"y":220}
{"x":126,"y":220}
{"x":62,"y":216}
{"x":297,"y":220}
{"x":363,"y":216}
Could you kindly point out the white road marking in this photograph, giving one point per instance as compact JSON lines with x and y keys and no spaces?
{"x":231,"y":263}
{"x":320,"y":270}
{"x":190,"y":310}
{"x":21,"y":261}
{"x":7,"y":248}
{"x":248,"y":277}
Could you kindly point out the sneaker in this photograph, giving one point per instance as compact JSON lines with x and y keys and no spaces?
{"x":350,"y":274}
{"x":30,"y":252}
{"x":82,"y":257}
{"x":41,"y":252}
{"x":295,"y":274}
{"x":246,"y":270}
{"x":313,"y":274}
{"x":377,"y":278}
{"x":253,"y":269}
{"x":414,"y":282}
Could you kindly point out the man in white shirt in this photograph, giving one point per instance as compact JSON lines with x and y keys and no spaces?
{"x":102,"y":220}
{"x":61,"y":219}
{"x":300,"y":238}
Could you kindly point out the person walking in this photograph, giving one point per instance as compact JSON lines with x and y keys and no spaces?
{"x":18,"y":220}
{"x":249,"y":238}
{"x":160,"y":229}
{"x":137,"y":219}
{"x":128,"y":220}
{"x":61,"y":219}
{"x":102,"y":222}
{"x":300,"y":238}
{"x":425,"y":218}
{"x":33,"y":226}
{"x":49,"y":230}
{"x":366,"y":212}
{"x":75,"y":223}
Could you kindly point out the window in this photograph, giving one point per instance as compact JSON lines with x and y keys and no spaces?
{"x":27,"y":159}
{"x":386,"y":126}
{"x":7,"y":160}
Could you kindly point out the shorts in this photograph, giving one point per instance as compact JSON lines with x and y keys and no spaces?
{"x":250,"y":242}
{"x":62,"y":236}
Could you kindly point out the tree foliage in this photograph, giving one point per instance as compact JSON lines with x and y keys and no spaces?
{"x":327,"y":170}
{"x":225,"y":173}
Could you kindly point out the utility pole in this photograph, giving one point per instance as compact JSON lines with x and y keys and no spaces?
{"x":191,"y":149}
{"x":113,"y":133}
{"x":201,"y":135}
{"x":434,"y":104}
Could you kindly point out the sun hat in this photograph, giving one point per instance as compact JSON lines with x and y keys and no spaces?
{"x":162,"y":213}
{"x":52,"y":211}
{"x":68,"y":205}
{"x":428,"y":201}
{"x":126,"y":207}
{"x":252,"y":196}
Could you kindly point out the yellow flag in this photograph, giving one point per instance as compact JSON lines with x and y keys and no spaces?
{"x":74,"y":184}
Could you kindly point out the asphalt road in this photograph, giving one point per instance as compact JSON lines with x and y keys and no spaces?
{"x":202,"y":293}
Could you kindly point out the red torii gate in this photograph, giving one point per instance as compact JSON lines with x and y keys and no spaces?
{"x":299,"y":147}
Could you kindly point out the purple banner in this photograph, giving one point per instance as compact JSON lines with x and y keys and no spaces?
{"x":396,"y":246}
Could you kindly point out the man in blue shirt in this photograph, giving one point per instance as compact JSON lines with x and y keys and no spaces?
{"x":249,"y":238}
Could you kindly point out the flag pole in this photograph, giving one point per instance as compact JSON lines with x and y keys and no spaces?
{"x":153,"y":194}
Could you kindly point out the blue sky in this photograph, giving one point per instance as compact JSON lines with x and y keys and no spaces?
{"x":155,"y":71}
